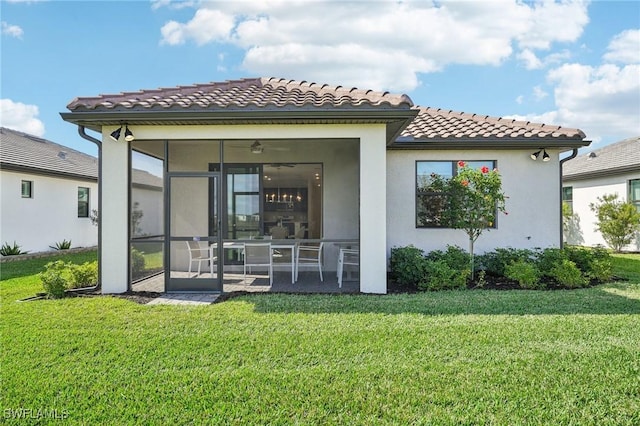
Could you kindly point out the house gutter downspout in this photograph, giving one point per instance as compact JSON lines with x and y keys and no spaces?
{"x":84,"y":135}
{"x":574,"y":153}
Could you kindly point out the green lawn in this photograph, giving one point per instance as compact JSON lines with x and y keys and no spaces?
{"x":468,"y":357}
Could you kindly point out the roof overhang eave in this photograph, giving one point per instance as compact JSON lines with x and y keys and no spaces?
{"x":395,"y":119}
{"x":561,"y":144}
{"x":602,"y":173}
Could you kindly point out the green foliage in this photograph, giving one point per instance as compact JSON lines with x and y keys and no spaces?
{"x":137,"y":261}
{"x":441,"y":276}
{"x":407,"y":265}
{"x":63,"y":245}
{"x":595,"y":263}
{"x":55,"y":278}
{"x":618,"y":221}
{"x":495,"y":262}
{"x":525,"y":273}
{"x":454,"y":256}
{"x":11,"y":250}
{"x":567,"y":274}
{"x":84,"y":275}
{"x":549,"y":258}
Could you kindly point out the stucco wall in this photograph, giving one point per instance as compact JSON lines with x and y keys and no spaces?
{"x":586,"y":192}
{"x":50,"y":217}
{"x":533,"y":188}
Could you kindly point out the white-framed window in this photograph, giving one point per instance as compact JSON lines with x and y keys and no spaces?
{"x":567,"y":197}
{"x":634,"y":193}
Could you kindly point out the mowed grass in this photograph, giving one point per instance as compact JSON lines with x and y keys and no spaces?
{"x":467,"y":357}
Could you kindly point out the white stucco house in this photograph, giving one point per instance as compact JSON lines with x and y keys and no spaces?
{"x":613,"y":169}
{"x":331,"y":164}
{"x":47,"y":193}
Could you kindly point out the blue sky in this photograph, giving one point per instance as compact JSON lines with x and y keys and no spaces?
{"x":572,"y":63}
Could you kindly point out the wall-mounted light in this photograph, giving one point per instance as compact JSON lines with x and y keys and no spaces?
{"x":256,"y":148}
{"x":128,"y":134}
{"x":545,"y":157}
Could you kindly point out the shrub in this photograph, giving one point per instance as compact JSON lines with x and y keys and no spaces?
{"x":549,"y":258}
{"x":594,"y":263}
{"x":618,"y":221}
{"x":525,"y":273}
{"x":137,"y":261}
{"x":11,"y":250}
{"x":567,"y":274}
{"x":84,"y":275}
{"x":63,"y":245}
{"x":455,"y":257}
{"x":495,"y":262}
{"x":55,"y":278}
{"x":407,"y":265}
{"x":441,"y":276}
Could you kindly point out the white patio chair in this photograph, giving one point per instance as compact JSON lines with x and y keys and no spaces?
{"x":309,"y":255}
{"x":200,"y":254}
{"x":258,"y":254}
{"x":347,"y":257}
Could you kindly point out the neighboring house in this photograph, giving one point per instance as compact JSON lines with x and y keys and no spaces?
{"x":337,"y":165}
{"x":48,"y":192}
{"x":613,"y":169}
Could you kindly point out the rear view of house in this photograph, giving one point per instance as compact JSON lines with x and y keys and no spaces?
{"x":302,"y":164}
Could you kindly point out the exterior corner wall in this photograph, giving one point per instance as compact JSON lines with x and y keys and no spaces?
{"x":114,"y":253}
{"x":373,"y":214}
{"x":533,"y":204}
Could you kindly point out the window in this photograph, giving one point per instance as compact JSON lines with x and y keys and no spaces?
{"x":634,"y":193}
{"x":83,"y":202}
{"x":429,"y":202}
{"x":567,"y":197}
{"x":27,"y":189}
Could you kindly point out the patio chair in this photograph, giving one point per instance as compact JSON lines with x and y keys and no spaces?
{"x":309,"y":255}
{"x":258,"y":254}
{"x":347,"y":257}
{"x":279,"y":232}
{"x":200,"y":254}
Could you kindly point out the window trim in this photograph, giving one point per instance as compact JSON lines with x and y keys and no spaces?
{"x":22,"y":187}
{"x":634,"y":201}
{"x":80,"y":204}
{"x":492,"y":164}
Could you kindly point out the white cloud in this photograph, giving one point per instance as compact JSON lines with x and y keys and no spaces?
{"x":519,"y":99}
{"x":601,"y":100}
{"x":624,"y":48}
{"x":22,"y":117}
{"x":11,"y":30}
{"x":531,"y":61}
{"x":380,"y":45}
{"x":539,"y":93}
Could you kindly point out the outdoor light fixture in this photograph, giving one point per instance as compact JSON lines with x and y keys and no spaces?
{"x":545,"y":156}
{"x":256,"y":148}
{"x":115,"y":135}
{"x":128,"y":134}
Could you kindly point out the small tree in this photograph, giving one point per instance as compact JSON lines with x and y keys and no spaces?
{"x":473,"y":197}
{"x":618,"y":222}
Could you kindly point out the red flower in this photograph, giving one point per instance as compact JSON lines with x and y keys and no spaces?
{"x":484,"y":169}
{"x":461,"y":163}
{"x":465,"y":183}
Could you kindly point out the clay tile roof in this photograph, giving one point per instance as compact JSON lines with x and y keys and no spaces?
{"x":618,"y":157}
{"x":439,"y":124}
{"x":247,"y":94}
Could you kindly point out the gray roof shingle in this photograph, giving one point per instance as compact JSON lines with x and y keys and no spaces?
{"x":618,"y":157}
{"x":25,"y":151}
